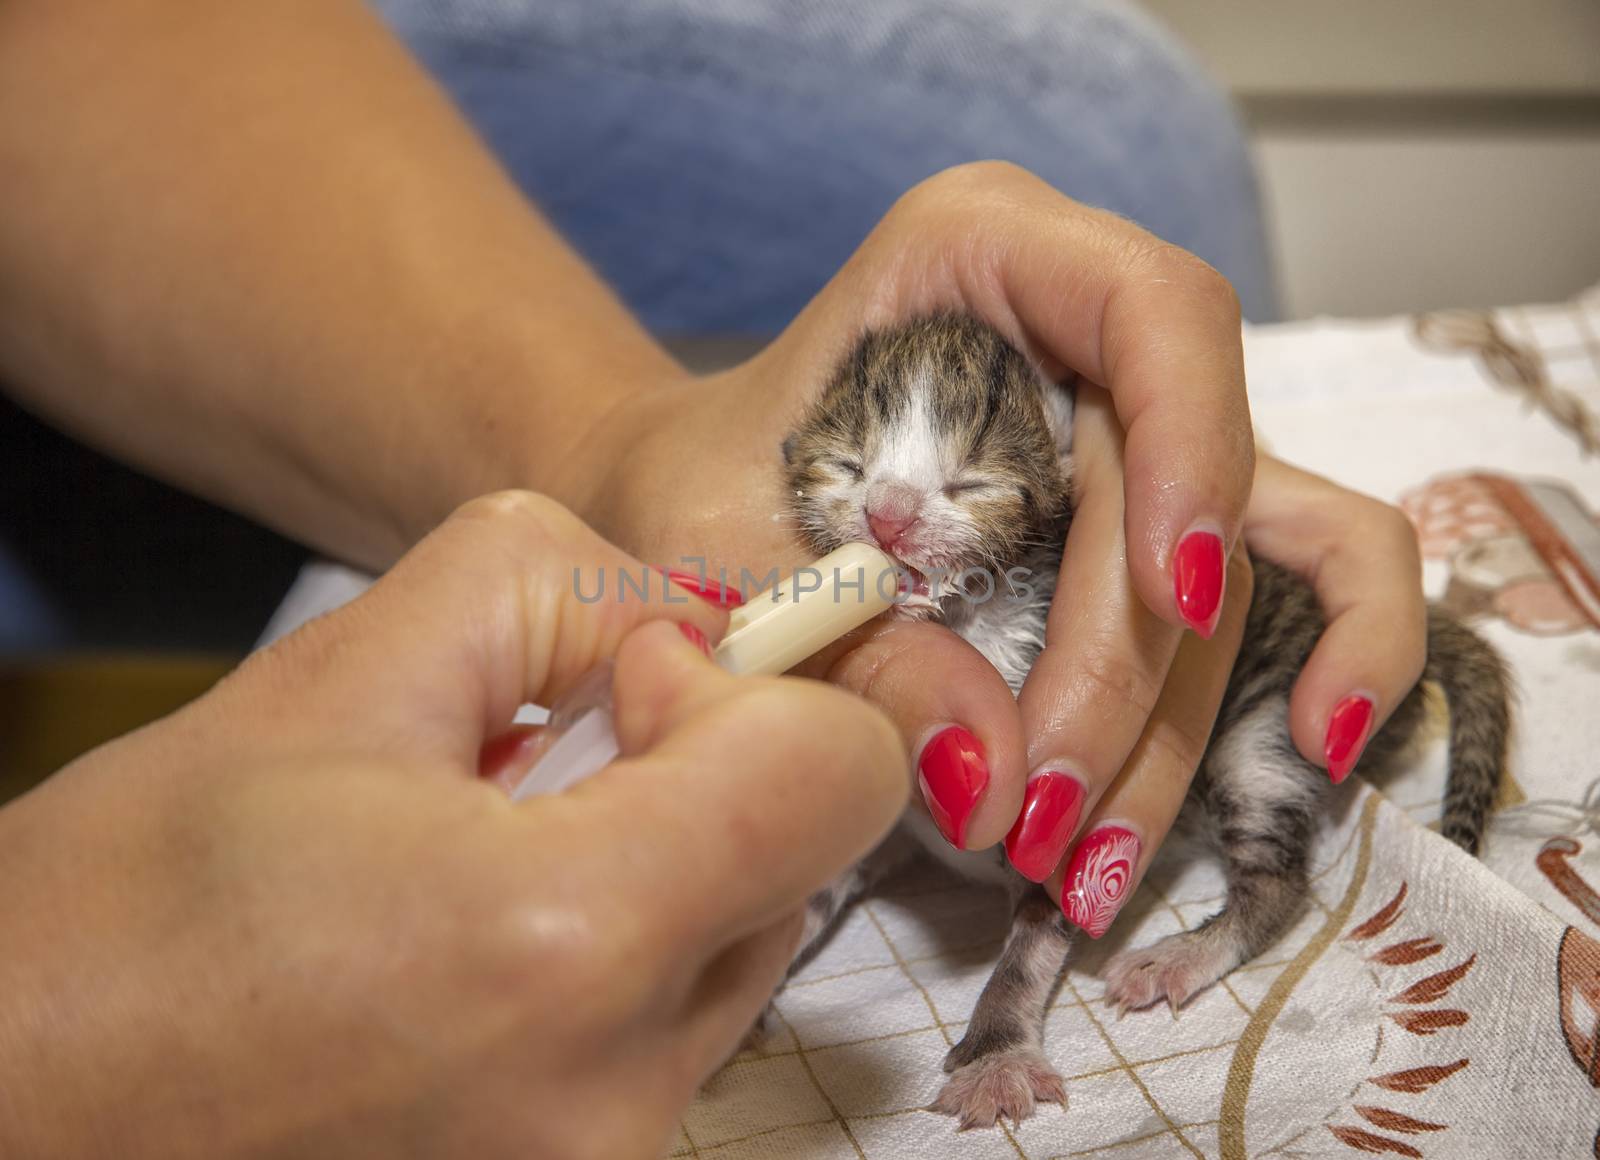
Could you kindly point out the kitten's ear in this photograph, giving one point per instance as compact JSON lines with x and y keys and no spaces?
{"x":788,"y":449}
{"x":1059,"y":402}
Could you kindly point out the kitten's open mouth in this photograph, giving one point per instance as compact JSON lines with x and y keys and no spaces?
{"x":913,"y":583}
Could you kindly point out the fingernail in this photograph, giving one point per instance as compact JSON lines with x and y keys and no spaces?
{"x":953,"y":775}
{"x":1197,"y":568}
{"x":1347,"y":735}
{"x":1099,"y":878}
{"x":702,"y":585}
{"x":695,"y":637}
{"x":502,"y":752}
{"x":1051,"y":806}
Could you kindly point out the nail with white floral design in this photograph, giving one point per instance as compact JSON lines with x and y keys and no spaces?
{"x":1100,"y":877}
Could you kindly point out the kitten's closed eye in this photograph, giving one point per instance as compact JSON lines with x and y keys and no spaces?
{"x":850,"y":467}
{"x":960,"y":486}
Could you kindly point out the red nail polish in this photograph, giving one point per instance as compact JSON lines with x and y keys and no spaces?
{"x":710,"y":590}
{"x":1197,"y":568}
{"x":1099,"y":878}
{"x":695,"y":637}
{"x":505,"y":752}
{"x":1050,"y":810}
{"x":953,"y":775}
{"x":1347,"y":735}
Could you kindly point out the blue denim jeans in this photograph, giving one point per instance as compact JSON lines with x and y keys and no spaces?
{"x":718,"y":160}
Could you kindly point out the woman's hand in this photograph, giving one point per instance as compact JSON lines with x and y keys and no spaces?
{"x":1361,"y":557}
{"x":691,"y":470}
{"x":290,"y":920}
{"x":1115,"y":717}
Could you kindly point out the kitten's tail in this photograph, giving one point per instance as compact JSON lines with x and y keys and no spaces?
{"x":1478,"y":689}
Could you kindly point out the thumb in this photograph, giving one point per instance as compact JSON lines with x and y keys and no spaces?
{"x":512,"y":599}
{"x":737,"y":797}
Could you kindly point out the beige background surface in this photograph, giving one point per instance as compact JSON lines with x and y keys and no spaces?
{"x":1419,"y":155}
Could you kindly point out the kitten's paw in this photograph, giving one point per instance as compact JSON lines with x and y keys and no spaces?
{"x":971,"y":1047}
{"x":1176,"y":969}
{"x":1006,"y":1084}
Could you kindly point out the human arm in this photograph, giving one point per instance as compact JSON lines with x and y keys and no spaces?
{"x":290,"y":920}
{"x":252,"y":249}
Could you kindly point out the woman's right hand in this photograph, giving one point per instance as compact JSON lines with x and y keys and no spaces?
{"x":291,"y":920}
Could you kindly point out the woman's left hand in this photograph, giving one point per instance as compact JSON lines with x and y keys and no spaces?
{"x":692,"y":471}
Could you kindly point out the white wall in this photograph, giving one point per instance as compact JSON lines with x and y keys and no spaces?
{"x":1373,"y":223}
{"x":1396,"y":46}
{"x":1420,"y":153}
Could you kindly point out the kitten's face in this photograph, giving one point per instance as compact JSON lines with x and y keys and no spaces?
{"x":936,"y":442}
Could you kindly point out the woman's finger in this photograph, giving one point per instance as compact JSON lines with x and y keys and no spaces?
{"x":956,"y":716}
{"x":733,"y":989}
{"x":1166,"y":344}
{"x":1128,"y":824}
{"x":1106,"y":658}
{"x":736,"y":797}
{"x":510,"y":600}
{"x":1361,"y":556}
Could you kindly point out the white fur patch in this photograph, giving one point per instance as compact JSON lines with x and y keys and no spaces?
{"x":912,"y":456}
{"x":911,"y":452}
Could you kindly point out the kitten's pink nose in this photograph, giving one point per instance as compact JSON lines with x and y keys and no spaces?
{"x":888,"y":528}
{"x":893,"y":507}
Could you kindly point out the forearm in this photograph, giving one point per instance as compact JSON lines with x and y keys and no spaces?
{"x":252,"y":249}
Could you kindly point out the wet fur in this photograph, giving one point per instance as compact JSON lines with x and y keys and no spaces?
{"x":948,"y":401}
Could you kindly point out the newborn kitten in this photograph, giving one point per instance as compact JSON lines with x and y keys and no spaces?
{"x":938,"y":442}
